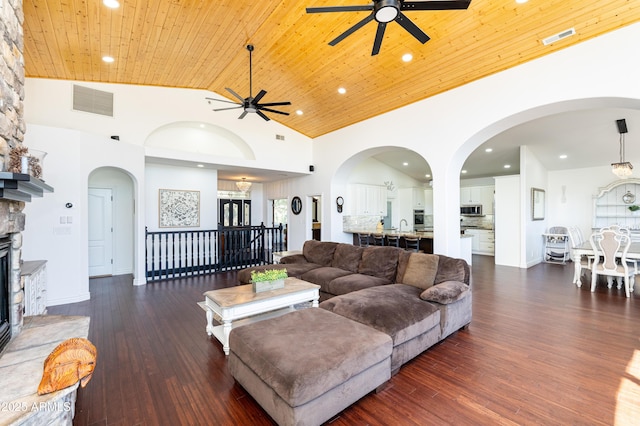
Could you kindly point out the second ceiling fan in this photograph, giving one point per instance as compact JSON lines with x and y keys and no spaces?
{"x":251,"y":104}
{"x":385,"y":11}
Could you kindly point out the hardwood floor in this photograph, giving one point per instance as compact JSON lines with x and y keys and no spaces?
{"x":539,"y":351}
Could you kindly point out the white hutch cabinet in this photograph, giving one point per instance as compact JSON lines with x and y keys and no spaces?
{"x":611,"y":205}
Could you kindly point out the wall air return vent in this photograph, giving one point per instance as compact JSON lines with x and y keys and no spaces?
{"x":93,"y":101}
{"x":279,"y":137}
{"x":559,"y":36}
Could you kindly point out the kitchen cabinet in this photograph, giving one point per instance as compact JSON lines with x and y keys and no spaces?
{"x":483,"y":241}
{"x":368,"y":200}
{"x":418,"y":198}
{"x":478,"y":195}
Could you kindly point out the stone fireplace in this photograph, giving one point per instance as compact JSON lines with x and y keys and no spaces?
{"x":12,"y":128}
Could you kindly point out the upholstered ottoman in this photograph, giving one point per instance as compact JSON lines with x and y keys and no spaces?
{"x":306,"y":366}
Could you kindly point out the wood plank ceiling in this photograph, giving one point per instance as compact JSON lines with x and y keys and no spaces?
{"x":200,"y":44}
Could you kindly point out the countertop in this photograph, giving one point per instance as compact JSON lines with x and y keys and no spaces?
{"x":411,"y":234}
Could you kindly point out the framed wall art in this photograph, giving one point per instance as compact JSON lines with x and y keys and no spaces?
{"x":537,"y":204}
{"x":178,"y":209}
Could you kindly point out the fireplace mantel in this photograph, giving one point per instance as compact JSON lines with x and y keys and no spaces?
{"x":21,"y":187}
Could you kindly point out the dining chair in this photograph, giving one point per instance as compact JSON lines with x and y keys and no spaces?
{"x":610,"y":249}
{"x":393,"y":240}
{"x":575,"y":240}
{"x":378,"y":239}
{"x":412,"y":244}
{"x":363,"y":239}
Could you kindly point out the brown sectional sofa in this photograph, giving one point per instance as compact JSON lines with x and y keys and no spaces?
{"x":418,"y":299}
{"x":306,"y":366}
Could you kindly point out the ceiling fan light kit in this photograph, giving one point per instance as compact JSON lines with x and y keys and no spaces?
{"x":385,"y":11}
{"x":251,"y":104}
{"x":623,"y":169}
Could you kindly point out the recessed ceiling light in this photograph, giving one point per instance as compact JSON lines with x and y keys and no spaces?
{"x":488,"y":150}
{"x":407,"y":57}
{"x":521,"y":1}
{"x":507,"y":166}
{"x":463,"y":171}
{"x":200,"y":165}
{"x":427,"y":176}
{"x":108,"y":59}
{"x":113,"y":4}
{"x":563,"y":156}
{"x":342,"y":90}
{"x":405,"y":164}
{"x":299,"y":112}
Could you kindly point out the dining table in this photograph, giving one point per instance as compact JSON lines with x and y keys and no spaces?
{"x":585,"y":249}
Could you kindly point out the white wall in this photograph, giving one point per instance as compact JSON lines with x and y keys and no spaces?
{"x":533,"y":175}
{"x":508,"y":226}
{"x":181,"y":178}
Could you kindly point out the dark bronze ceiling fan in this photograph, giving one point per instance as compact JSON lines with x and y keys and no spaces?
{"x":251,"y":104}
{"x":385,"y":11}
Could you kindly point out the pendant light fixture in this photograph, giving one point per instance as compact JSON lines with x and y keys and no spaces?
{"x":243,"y":185}
{"x":623,"y":169}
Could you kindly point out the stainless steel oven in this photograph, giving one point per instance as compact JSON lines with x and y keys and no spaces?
{"x":418,"y":219}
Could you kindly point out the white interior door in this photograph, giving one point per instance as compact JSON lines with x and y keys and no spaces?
{"x":100,"y":232}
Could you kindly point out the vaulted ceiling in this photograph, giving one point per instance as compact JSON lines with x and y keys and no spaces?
{"x":201,"y":44}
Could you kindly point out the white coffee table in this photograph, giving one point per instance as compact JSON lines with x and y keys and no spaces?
{"x":236,"y":305}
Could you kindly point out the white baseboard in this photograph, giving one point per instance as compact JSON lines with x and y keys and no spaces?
{"x":67,"y":300}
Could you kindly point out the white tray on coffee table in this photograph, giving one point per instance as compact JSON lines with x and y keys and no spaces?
{"x":234,"y":306}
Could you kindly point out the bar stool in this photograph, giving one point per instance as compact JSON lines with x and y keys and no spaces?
{"x":378,"y":239}
{"x":363,"y":240}
{"x":393,"y":240}
{"x":412,"y":244}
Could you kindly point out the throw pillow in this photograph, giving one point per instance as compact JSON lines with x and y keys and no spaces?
{"x":445,"y":292}
{"x":421,"y":270}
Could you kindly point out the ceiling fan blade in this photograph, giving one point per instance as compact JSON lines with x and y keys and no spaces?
{"x":435,"y":5}
{"x":235,"y":94}
{"x":259,"y":96}
{"x":224,"y":109}
{"x":340,"y":8}
{"x":273,"y":110}
{"x":222,"y":100}
{"x":412,"y":28}
{"x":379,"y":35}
{"x":262,"y":115}
{"x":274,"y":104}
{"x":351,"y":30}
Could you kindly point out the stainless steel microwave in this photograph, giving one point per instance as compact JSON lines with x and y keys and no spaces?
{"x":471,"y":210}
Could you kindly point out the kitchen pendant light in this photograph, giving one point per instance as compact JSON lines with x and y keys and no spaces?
{"x":623,"y":169}
{"x":243,"y":185}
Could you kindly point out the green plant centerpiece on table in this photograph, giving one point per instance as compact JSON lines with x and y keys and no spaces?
{"x":270,"y":279}
{"x":634,"y":208}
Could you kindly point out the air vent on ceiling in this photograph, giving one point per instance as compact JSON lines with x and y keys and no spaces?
{"x":559,"y":36}
{"x":279,"y":137}
{"x":93,"y":101}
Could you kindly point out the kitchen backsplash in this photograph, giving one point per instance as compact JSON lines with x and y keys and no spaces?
{"x":369,"y":223}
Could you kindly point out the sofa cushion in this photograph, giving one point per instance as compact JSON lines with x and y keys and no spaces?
{"x":347,"y":257}
{"x":324,"y":275}
{"x":445,"y":292}
{"x":304,"y":354}
{"x":319,"y":252}
{"x":420,"y":270}
{"x":380,"y":262}
{"x":452,"y":269}
{"x":354,"y":282}
{"x":394,"y":309}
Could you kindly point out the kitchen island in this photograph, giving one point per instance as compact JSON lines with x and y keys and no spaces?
{"x":426,"y":237}
{"x":426,"y":240}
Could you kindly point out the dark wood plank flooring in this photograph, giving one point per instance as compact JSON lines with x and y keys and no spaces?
{"x":539,"y":351}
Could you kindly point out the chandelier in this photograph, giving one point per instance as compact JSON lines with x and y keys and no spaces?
{"x":623,"y":169}
{"x":243,"y":185}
